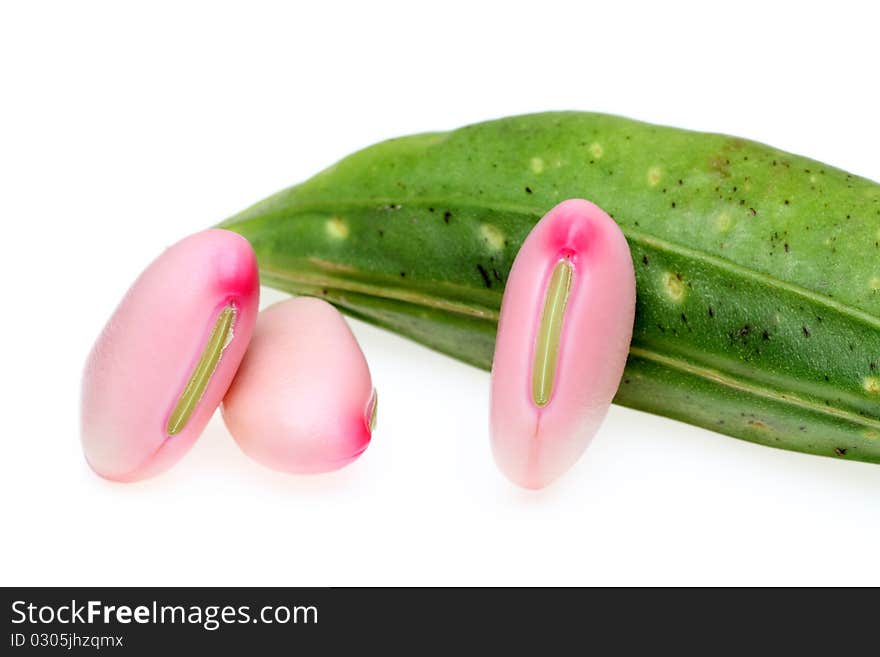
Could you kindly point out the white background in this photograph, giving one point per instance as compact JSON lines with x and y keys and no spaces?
{"x":123,"y":129}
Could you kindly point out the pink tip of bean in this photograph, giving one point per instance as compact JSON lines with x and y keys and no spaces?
{"x":540,"y":426}
{"x":140,"y":412}
{"x":303,"y":400}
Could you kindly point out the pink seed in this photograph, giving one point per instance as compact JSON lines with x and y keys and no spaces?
{"x":167,"y":355}
{"x":563,"y":337}
{"x":303,"y":400}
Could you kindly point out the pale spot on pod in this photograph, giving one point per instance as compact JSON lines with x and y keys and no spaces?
{"x":563,"y":337}
{"x":302,"y":400}
{"x":871,"y":384}
{"x":336,"y":228}
{"x":492,"y":236}
{"x":166,"y":357}
{"x":673,"y":286}
{"x":723,"y":222}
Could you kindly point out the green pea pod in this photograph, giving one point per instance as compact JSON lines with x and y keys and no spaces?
{"x":758,"y":271}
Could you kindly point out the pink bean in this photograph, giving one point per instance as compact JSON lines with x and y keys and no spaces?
{"x":167,"y":355}
{"x":563,"y":336}
{"x":302,"y":401}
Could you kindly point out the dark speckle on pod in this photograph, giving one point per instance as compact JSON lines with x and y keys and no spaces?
{"x":486,"y":280}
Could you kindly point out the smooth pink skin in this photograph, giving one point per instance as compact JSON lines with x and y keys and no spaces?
{"x":534,"y":445}
{"x":302,"y":399}
{"x":146,"y":353}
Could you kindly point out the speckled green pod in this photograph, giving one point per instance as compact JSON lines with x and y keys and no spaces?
{"x":758,"y":271}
